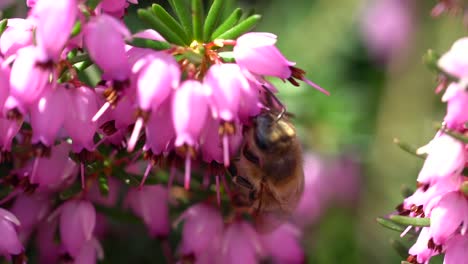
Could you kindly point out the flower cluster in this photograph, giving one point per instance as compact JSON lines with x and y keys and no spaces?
{"x":442,"y":193}
{"x":168,"y":97}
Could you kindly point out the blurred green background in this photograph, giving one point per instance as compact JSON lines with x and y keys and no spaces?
{"x":372,"y":101}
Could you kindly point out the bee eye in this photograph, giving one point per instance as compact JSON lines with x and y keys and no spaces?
{"x":250,"y":156}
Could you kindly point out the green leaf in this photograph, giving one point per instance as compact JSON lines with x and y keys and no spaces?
{"x":181,"y":9}
{"x":76,"y":29}
{"x":149,"y":44}
{"x":414,"y":221}
{"x":103,"y":185}
{"x":228,"y":23}
{"x":170,"y":22}
{"x":197,"y":19}
{"x":3,"y":25}
{"x":212,"y":19}
{"x":118,"y":214}
{"x":387,"y":223}
{"x":241,"y":28}
{"x":401,"y":249}
{"x":464,"y":188}
{"x":408,"y":148}
{"x":457,"y":135}
{"x":70,"y":192}
{"x":155,"y":23}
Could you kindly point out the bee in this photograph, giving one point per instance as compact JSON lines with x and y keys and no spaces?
{"x":269,"y":177}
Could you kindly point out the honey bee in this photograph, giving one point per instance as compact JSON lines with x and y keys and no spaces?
{"x":268,"y":174}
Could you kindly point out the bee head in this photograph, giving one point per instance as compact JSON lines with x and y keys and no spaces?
{"x":273,"y":133}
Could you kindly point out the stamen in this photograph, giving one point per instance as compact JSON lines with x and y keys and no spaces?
{"x":187,"y":171}
{"x":406,"y":231}
{"x":135,"y":133}
{"x":218,"y":194}
{"x":316,"y":86}
{"x":82,"y":169}
{"x":226,"y":150}
{"x":34,"y":170}
{"x":147,"y":171}
{"x":10,"y":196}
{"x":101,"y":111}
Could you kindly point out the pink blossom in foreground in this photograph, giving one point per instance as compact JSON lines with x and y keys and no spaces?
{"x":17,"y":35}
{"x":10,"y":243}
{"x":456,"y":98}
{"x":456,"y":250}
{"x":240,"y":241}
{"x":55,"y":20}
{"x":103,"y":34}
{"x":455,"y":61}
{"x":150,"y":203}
{"x":77,"y":220}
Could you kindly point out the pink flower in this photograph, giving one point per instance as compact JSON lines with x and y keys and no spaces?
{"x":256,"y":52}
{"x":8,"y":130}
{"x":102,"y":34}
{"x":189,"y":110}
{"x":30,"y":210}
{"x":224,"y":83}
{"x":202,"y":231}
{"x":28,"y":77}
{"x":78,"y":124}
{"x":455,"y":61}
{"x":51,"y":172}
{"x":17,"y":35}
{"x":10,"y":243}
{"x":55,"y":20}
{"x":157,"y":139}
{"x":153,"y":89}
{"x":282,"y":244}
{"x":457,"y":106}
{"x":150,"y":203}
{"x":455,"y":252}
{"x":448,"y":215}
{"x":420,"y":248}
{"x":446,"y":157}
{"x":77,"y":220}
{"x":48,"y":115}
{"x":392,"y":33}
{"x":240,"y":241}
{"x":49,"y":251}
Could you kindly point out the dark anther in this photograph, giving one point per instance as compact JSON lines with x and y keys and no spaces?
{"x":109,"y":128}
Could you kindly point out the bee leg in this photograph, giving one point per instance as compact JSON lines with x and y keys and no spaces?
{"x":241,"y":181}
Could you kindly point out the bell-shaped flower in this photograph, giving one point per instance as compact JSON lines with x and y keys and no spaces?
{"x":4,"y":84}
{"x":8,"y":130}
{"x":455,"y":61}
{"x":189,"y":110}
{"x":51,"y":172}
{"x":450,"y":214}
{"x":28,"y":77}
{"x":115,"y":8}
{"x":241,"y":241}
{"x":151,"y":204}
{"x":211,"y":144}
{"x":446,"y":157}
{"x":160,"y":129}
{"x":457,"y":106}
{"x":202,"y":230}
{"x":80,"y":111}
{"x":30,"y":210}
{"x":77,"y":220}
{"x":282,"y":244}
{"x":256,"y":52}
{"x":135,"y":53}
{"x":90,"y":253}
{"x":55,"y":21}
{"x":455,"y":252}
{"x":10,"y":243}
{"x":17,"y":35}
{"x":159,"y":74}
{"x":49,"y":250}
{"x":102,"y":34}
{"x":420,"y":249}
{"x":224,"y":83}
{"x":48,"y":115}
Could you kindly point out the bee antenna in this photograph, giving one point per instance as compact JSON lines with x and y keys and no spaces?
{"x":272,"y":95}
{"x":281,"y":114}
